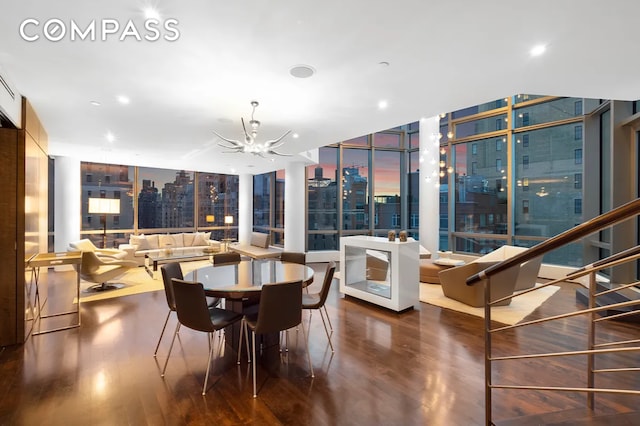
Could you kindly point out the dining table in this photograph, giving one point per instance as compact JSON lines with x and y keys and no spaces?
{"x":240,"y":284}
{"x":245,"y":279}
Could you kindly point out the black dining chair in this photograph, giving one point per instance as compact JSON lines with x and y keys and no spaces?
{"x":169,"y":271}
{"x":293,"y":257}
{"x":226,"y":258}
{"x":193,"y":313}
{"x":317,"y":300}
{"x":280,"y":309}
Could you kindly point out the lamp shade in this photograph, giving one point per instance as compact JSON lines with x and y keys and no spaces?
{"x":104,"y":205}
{"x":228,"y":220}
{"x":210,"y":218}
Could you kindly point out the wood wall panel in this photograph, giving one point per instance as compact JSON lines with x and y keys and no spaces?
{"x":23,"y":221}
{"x":9,"y":175}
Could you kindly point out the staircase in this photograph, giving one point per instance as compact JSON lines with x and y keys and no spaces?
{"x":619,"y":296}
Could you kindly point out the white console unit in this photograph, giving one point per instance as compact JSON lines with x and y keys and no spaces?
{"x":380,"y":271}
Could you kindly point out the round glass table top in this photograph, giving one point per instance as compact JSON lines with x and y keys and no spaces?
{"x":245,"y":279}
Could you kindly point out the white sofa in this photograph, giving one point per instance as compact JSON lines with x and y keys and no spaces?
{"x":140,"y":245}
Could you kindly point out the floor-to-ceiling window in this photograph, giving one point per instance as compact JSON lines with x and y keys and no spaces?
{"x":157,"y":200}
{"x":107,"y":181}
{"x":322,"y":201}
{"x":412,"y":142}
{"x":386,"y":184}
{"x":268,"y":205}
{"x":362,"y":187}
{"x":165,"y":199}
{"x":355,"y":190}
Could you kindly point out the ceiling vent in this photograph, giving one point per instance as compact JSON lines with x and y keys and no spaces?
{"x":10,"y":101}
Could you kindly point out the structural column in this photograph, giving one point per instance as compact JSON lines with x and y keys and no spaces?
{"x":429,"y":183}
{"x":67,"y":198}
{"x":294,"y":206}
{"x":245,"y":208}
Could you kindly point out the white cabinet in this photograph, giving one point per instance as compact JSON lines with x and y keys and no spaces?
{"x":380,"y":271}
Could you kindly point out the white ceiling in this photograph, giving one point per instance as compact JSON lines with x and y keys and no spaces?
{"x":442,"y":56}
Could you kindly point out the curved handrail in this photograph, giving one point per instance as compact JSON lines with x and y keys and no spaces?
{"x":623,"y":212}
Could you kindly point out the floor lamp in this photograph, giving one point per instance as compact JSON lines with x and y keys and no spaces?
{"x":104,"y":206}
{"x":228,"y":220}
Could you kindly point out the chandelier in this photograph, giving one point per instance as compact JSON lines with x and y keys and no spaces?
{"x":249,"y":144}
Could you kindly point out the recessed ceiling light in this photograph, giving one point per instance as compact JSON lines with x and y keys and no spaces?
{"x":302,"y":71}
{"x":110,"y":137}
{"x":383,"y":104}
{"x":95,"y":103}
{"x":124,"y":100}
{"x":151,"y":13}
{"x":538,"y":50}
{"x":295,"y":136}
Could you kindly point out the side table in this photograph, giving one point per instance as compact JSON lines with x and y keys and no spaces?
{"x":56,"y":259}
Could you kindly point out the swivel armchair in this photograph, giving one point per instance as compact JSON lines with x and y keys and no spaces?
{"x":100,"y":270}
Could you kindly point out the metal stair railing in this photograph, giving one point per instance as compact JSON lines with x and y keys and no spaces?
{"x":622,"y":213}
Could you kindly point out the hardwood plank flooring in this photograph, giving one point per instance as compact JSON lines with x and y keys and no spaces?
{"x":423,"y":367}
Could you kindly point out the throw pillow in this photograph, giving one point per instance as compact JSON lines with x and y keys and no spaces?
{"x":152,"y":240}
{"x":178,"y":240}
{"x":140,"y":241}
{"x":187,"y":239}
{"x":199,"y":239}
{"x":166,"y":241}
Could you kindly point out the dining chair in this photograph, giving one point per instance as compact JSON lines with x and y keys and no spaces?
{"x":294,"y":257}
{"x":193,"y":313}
{"x":169,"y":271}
{"x":280,"y":309}
{"x":226,"y":258}
{"x":317,"y":300}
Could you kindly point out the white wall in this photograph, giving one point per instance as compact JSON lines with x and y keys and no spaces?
{"x":295,"y":206}
{"x":245,"y":208}
{"x":67,"y":187}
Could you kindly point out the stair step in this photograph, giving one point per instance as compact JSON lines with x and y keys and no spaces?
{"x":574,"y":417}
{"x":625,"y":295}
{"x":622,"y":295}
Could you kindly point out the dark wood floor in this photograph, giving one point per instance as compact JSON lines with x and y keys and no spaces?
{"x":423,"y":367}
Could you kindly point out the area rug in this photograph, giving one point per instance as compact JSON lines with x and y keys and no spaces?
{"x":134,"y":281}
{"x":519,"y":308}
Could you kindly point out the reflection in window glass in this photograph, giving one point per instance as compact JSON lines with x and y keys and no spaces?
{"x":483,"y":125}
{"x":386,"y":140}
{"x":386,"y":177}
{"x":165,"y":198}
{"x":498,"y":103}
{"x":359,"y":141}
{"x":262,"y":200}
{"x":481,"y":194}
{"x":551,"y":179}
{"x":279,"y":207}
{"x":413,"y":183}
{"x":355,"y":189}
{"x":559,"y":109}
{"x":210,"y":208}
{"x":322,"y":207}
{"x":414,"y":140}
{"x":518,"y":99}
